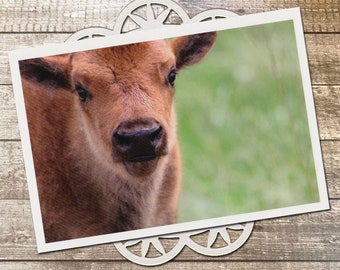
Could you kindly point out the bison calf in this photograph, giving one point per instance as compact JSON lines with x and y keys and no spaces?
{"x":103,"y":135}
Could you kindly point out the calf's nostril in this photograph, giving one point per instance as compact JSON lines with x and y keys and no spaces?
{"x":138,"y":145}
{"x":126,"y":138}
{"x":156,"y":135}
{"x":123,"y":139}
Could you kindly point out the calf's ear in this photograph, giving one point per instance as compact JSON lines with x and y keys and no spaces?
{"x":53,"y":71}
{"x":191,"y":49}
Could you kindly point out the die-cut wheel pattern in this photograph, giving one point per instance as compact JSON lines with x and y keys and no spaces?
{"x":142,"y":248}
{"x":143,"y":14}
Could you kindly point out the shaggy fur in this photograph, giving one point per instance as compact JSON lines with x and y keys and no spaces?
{"x":86,"y":186}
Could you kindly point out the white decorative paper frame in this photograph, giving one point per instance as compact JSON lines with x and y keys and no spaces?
{"x":151,"y":28}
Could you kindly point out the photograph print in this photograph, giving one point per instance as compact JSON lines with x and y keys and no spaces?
{"x":201,"y":126}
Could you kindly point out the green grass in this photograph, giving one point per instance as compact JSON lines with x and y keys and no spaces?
{"x":243,"y":128}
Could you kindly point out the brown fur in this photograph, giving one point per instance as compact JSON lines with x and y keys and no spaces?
{"x":85,"y":187}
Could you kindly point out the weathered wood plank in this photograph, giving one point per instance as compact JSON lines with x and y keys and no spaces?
{"x":309,"y":237}
{"x":70,"y":16}
{"x":327,"y":108}
{"x":324,"y":58}
{"x":12,"y":173}
{"x":9,"y":129}
{"x":303,"y":242}
{"x":42,"y":265}
{"x":9,"y":125}
{"x":323,"y":53}
{"x":327,"y":104}
{"x":331,"y":159}
{"x":56,"y":16}
{"x":13,"y":179}
{"x":314,"y":13}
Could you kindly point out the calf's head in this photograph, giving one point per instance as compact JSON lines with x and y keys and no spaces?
{"x":123,"y":96}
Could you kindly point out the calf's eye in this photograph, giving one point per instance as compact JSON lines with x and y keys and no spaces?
{"x":172,"y":77}
{"x":82,"y":93}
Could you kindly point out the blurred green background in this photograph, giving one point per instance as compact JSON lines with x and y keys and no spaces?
{"x":243,"y":128}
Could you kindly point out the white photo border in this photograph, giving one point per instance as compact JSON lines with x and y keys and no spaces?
{"x":292,"y":14}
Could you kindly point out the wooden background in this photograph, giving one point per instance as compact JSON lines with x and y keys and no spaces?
{"x":309,"y":241}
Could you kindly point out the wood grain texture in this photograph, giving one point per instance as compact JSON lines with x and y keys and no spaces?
{"x":309,"y":241}
{"x":13,"y":179}
{"x":327,"y":106}
{"x":170,"y":266}
{"x":323,"y":53}
{"x":308,"y":237}
{"x":70,"y":16}
{"x":326,"y":99}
